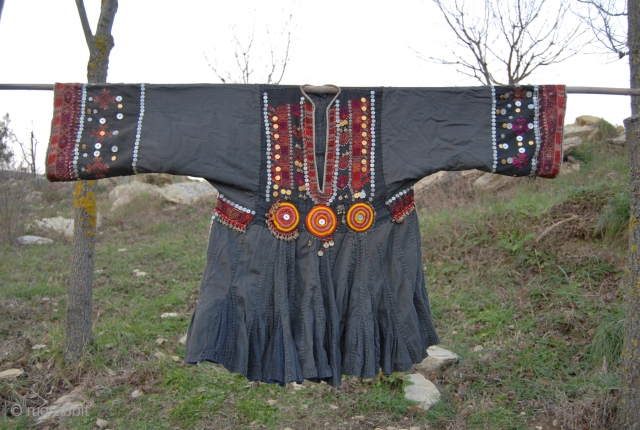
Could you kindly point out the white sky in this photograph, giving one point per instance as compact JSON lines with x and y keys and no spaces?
{"x":347,"y":43}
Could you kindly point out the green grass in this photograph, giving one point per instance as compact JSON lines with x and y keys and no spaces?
{"x":536,"y":320}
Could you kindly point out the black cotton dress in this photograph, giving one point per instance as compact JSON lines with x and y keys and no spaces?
{"x":313,"y":267}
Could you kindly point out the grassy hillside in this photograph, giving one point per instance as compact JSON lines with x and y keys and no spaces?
{"x":535,"y":315}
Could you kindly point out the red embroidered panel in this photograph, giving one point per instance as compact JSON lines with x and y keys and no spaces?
{"x":360,"y":135}
{"x":236,"y":218}
{"x":401,"y":205}
{"x":64,"y":131}
{"x":551,"y":102}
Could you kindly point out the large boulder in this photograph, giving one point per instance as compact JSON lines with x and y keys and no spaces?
{"x":186,"y":193}
{"x":158,"y":179}
{"x":585,"y":132}
{"x":180,"y":193}
{"x":492,"y":182}
{"x":587,"y":120}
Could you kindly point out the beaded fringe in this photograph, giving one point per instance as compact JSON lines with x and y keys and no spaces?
{"x":405,"y":213}
{"x":231,"y":224}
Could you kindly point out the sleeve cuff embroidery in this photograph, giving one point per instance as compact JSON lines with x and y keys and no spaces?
{"x":527,"y":130}
{"x":95,"y":131}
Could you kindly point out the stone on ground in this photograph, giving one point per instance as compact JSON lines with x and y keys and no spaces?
{"x":34,"y":240}
{"x":437,"y":359}
{"x":72,"y":404}
{"x":421,"y":390}
{"x":11,"y":373}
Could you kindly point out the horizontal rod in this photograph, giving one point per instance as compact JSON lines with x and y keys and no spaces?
{"x":310,"y":89}
{"x":41,"y":87}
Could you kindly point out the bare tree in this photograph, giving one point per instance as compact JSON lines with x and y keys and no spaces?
{"x":607,"y":19}
{"x":246,"y":52}
{"x":80,"y":306}
{"x":29,"y":152}
{"x":506,"y":41}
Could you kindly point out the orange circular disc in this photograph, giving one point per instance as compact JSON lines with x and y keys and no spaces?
{"x":285,"y":217}
{"x":360,"y":217}
{"x":321,"y":221}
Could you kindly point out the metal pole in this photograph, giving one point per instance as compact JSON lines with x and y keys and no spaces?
{"x":311,"y":89}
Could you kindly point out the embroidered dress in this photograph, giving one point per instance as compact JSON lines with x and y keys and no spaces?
{"x":313,"y":267}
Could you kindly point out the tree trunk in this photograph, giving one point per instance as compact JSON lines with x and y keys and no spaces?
{"x":80,"y":305}
{"x":630,"y":372}
{"x":630,"y":400}
{"x":633,"y":41}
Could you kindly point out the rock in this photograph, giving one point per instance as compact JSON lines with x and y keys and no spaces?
{"x":169,"y":315}
{"x":181,"y":193}
{"x":586,"y":132}
{"x":492,"y":182}
{"x":471,"y":175}
{"x":414,"y":428}
{"x":429,"y":181}
{"x":122,"y":250}
{"x":570,"y":143}
{"x":73,"y":404}
{"x":587,"y":120}
{"x":160,"y":340}
{"x":437,"y":359}
{"x":101,"y":423}
{"x":619,"y":141}
{"x":34,"y":240}
{"x":297,"y":387}
{"x":139,"y":273}
{"x":187,"y":193}
{"x":201,"y":390}
{"x":38,"y":346}
{"x":62,"y":225}
{"x":477,"y":348}
{"x":569,"y":167}
{"x":421,"y":390}
{"x":57,"y":224}
{"x":11,"y":373}
{"x":175,"y":358}
{"x":125,"y":193}
{"x":160,"y":355}
{"x":135,"y":394}
{"x":334,"y":407}
{"x":158,"y":179}
{"x":183,"y":340}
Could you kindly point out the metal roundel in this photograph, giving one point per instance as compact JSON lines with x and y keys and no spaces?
{"x":360,"y":217}
{"x":321,"y":221}
{"x":286,"y":217}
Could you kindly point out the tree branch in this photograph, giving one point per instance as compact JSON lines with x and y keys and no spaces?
{"x":88,"y":36}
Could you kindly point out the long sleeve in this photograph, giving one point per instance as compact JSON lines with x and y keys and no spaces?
{"x":510,"y":130}
{"x":105,"y":130}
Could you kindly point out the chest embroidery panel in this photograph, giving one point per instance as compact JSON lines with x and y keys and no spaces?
{"x":293,"y":169}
